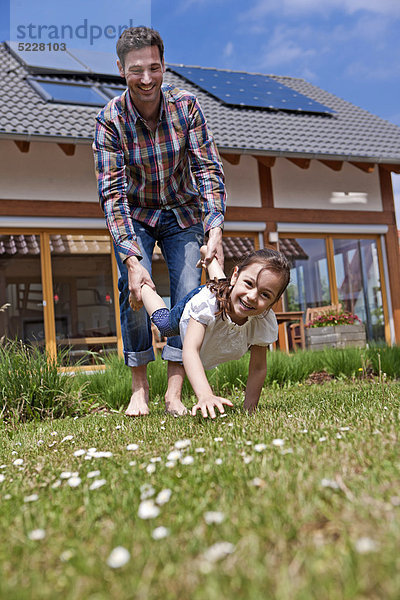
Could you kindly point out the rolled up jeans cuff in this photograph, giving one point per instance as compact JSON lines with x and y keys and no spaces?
{"x":172,"y":354}
{"x":137,"y":359}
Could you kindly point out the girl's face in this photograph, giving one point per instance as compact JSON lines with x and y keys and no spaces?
{"x":252,"y":294}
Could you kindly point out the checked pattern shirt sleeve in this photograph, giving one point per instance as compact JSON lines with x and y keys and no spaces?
{"x":111,"y":181}
{"x":207,"y":169}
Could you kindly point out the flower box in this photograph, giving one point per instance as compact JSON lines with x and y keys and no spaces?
{"x":336,"y":336}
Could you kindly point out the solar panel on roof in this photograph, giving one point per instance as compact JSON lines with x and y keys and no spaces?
{"x":245,"y":89}
{"x":101,"y":63}
{"x":47,"y":60}
{"x":72,"y":60}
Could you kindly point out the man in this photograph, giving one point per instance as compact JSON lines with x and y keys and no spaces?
{"x":159,"y":179}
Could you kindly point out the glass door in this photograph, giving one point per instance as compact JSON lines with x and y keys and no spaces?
{"x":359,"y":284}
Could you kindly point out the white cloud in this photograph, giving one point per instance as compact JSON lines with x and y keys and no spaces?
{"x":228,"y":50}
{"x":303,"y":7}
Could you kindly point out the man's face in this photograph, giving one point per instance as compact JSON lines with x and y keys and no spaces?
{"x":143,"y":71}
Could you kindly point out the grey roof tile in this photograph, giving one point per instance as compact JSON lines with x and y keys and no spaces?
{"x":351,"y":133}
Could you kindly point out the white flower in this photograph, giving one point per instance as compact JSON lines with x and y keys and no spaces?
{"x":159,"y":533}
{"x":54,"y":433}
{"x":66,"y":555}
{"x":67,"y":438}
{"x":52,"y":444}
{"x":187,"y":460}
{"x":56,"y":484}
{"x":218,"y":551}
{"x":74,"y":481}
{"x":248,"y":443}
{"x":278,"y":442}
{"x":344,"y":428}
{"x":40,"y":442}
{"x":258,"y":482}
{"x":7,"y":497}
{"x":365,"y":544}
{"x":218,"y":439}
{"x":329,"y":483}
{"x":247,"y":459}
{"x":338,"y":436}
{"x":37,"y":534}
{"x":146,"y":491}
{"x":163,"y":496}
{"x":18,"y":461}
{"x":97,"y":483}
{"x":118,"y":427}
{"x":91,"y":450}
{"x":211,"y":517}
{"x":181,"y":444}
{"x":223,"y":415}
{"x":304,"y":431}
{"x":2,"y":478}
{"x":118,"y":557}
{"x":155,"y":459}
{"x":92,"y":474}
{"x":260,"y":447}
{"x":31,"y":498}
{"x":132,"y":463}
{"x":199,"y":450}
{"x":151,"y":469}
{"x":287,"y":451}
{"x":67,"y":474}
{"x":79,"y":452}
{"x":132,"y":447}
{"x":170,"y":464}
{"x":322,"y":439}
{"x":218,"y":461}
{"x":174,"y":455}
{"x":3,"y":466}
{"x":101,"y":454}
{"x":148,"y":510}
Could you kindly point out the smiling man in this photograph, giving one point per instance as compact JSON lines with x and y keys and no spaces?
{"x":160,"y":179}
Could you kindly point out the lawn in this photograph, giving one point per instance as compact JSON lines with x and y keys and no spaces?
{"x":297,"y":502}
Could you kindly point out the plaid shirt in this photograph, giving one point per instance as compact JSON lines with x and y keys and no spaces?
{"x":141,"y":173}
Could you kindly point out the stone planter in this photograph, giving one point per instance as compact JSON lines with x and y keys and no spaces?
{"x":337,"y":336}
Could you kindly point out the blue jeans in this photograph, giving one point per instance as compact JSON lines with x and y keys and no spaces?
{"x":181,"y":250}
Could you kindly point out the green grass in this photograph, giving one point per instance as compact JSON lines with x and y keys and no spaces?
{"x":293,"y":537}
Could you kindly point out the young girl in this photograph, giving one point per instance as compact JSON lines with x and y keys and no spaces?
{"x":222,"y":320}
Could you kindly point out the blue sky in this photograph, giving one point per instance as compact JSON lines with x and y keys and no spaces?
{"x":348,"y":47}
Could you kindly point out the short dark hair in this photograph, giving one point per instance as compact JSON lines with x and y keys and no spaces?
{"x":135,"y":38}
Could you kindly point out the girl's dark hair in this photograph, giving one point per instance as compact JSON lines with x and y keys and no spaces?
{"x":271,"y":260}
{"x":136,"y":38}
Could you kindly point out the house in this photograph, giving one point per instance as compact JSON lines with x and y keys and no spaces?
{"x":306,"y":172}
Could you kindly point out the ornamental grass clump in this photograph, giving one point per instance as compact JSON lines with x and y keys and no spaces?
{"x":334,"y":318}
{"x":32,"y":387}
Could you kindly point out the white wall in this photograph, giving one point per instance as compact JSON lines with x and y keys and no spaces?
{"x":242,"y":182}
{"x":313,"y":187}
{"x":46,"y":173}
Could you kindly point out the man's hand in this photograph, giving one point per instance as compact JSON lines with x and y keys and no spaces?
{"x":137,"y":277}
{"x":214,"y":247}
{"x":207,"y":405}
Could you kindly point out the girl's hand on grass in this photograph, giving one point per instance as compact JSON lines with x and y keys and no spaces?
{"x":207,"y":406}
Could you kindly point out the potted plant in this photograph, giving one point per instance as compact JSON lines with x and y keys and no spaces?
{"x":335,"y":330}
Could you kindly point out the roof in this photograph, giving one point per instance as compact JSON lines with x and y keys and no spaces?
{"x":350,"y":134}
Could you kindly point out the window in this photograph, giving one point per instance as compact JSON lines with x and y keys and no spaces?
{"x":69,"y":92}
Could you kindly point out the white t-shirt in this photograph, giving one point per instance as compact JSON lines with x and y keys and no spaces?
{"x":225,"y":340}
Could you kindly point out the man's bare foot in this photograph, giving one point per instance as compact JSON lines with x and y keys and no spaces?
{"x":175,"y":407}
{"x":138,"y":405}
